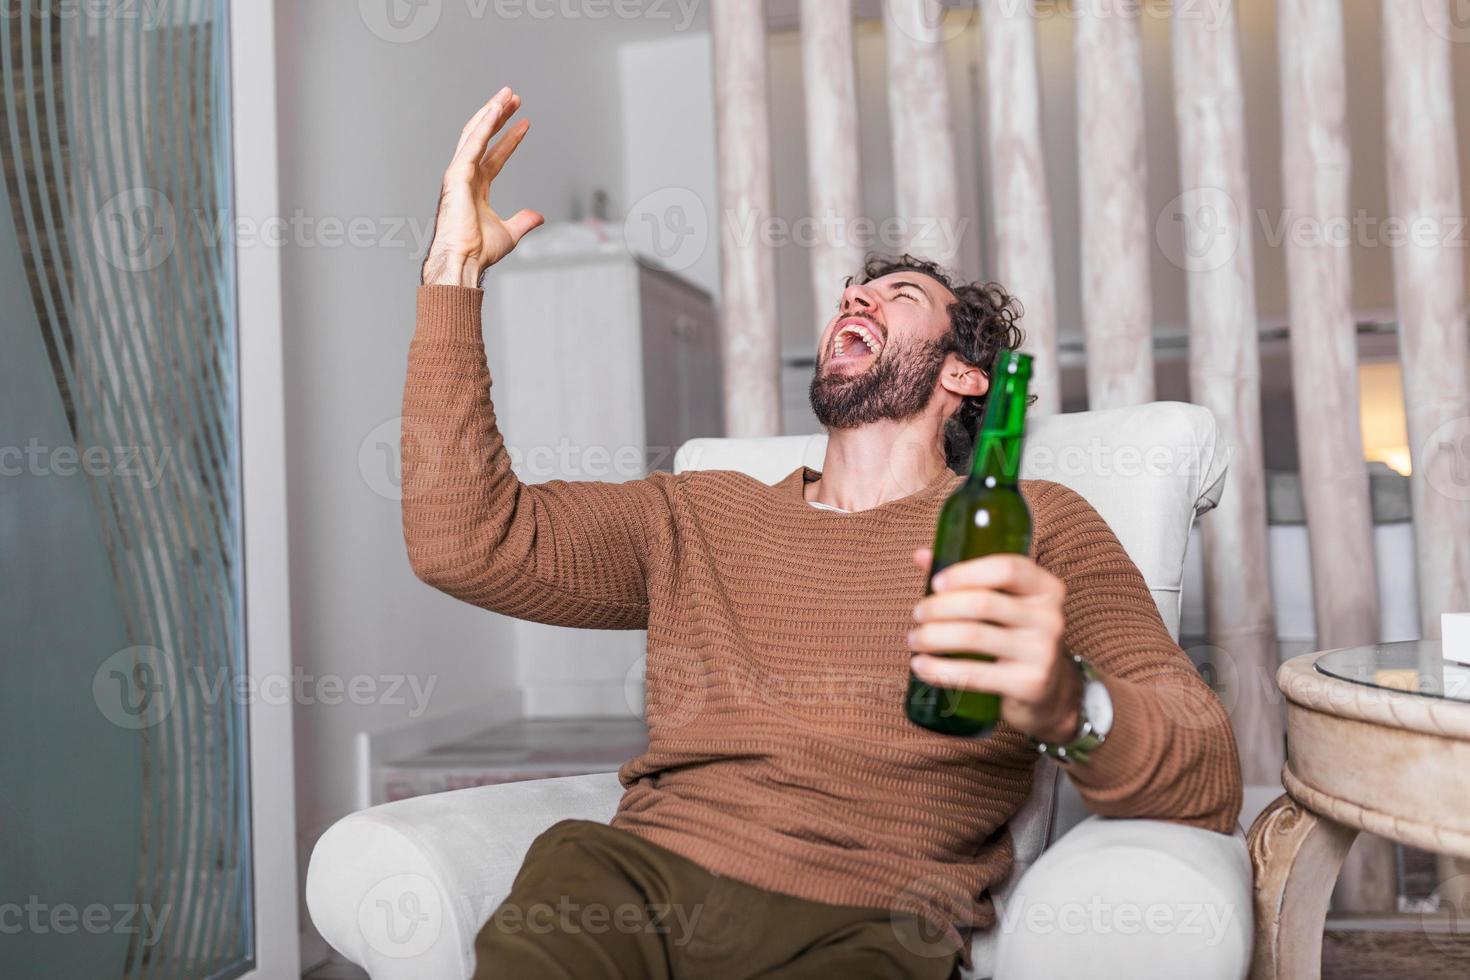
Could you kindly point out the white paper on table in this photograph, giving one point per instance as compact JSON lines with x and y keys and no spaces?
{"x":1454,"y":631}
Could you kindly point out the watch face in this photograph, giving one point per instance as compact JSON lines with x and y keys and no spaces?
{"x":1099,"y":707}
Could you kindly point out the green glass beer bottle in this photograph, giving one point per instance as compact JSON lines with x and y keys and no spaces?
{"x":985,"y":515}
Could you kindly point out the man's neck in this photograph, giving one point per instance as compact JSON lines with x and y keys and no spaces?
{"x":876,"y":463}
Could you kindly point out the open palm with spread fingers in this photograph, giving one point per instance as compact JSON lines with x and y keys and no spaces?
{"x":469,"y":236}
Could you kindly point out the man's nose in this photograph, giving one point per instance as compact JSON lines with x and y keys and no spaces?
{"x":858,"y":297}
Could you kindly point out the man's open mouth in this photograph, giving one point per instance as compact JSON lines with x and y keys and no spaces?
{"x":857,"y":338}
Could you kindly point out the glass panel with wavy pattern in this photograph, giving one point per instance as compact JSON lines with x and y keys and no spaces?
{"x":125,"y":850}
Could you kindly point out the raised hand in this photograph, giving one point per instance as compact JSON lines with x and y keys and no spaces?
{"x":469,"y":236}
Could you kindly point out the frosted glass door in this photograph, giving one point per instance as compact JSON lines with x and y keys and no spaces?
{"x":125,"y":807}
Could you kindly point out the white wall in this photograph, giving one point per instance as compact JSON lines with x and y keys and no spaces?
{"x":669,"y":141}
{"x":368,"y":122}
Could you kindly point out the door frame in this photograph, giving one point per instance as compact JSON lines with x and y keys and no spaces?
{"x":263,"y":476}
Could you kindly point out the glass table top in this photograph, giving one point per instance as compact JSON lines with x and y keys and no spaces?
{"x":1413,"y":666}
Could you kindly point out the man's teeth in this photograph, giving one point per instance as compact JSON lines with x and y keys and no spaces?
{"x":862,"y":333}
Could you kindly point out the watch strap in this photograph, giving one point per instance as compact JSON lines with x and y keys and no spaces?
{"x":1087,"y":739}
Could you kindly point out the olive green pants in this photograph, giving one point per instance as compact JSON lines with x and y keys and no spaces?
{"x":594,"y":902}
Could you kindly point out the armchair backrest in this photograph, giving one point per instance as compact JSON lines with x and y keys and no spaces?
{"x":1149,"y":470}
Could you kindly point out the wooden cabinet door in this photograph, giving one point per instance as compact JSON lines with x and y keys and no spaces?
{"x":681,"y":357}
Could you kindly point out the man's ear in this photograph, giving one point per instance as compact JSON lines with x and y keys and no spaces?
{"x":962,"y":378}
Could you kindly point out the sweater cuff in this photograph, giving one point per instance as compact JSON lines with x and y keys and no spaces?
{"x":450,"y":313}
{"x":1128,"y":758}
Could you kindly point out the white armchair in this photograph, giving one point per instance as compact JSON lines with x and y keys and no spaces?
{"x":402,"y":888}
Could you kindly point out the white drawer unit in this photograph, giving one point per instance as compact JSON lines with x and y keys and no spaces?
{"x":599,"y":354}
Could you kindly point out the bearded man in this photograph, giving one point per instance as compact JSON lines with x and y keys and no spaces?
{"x":787,"y":820}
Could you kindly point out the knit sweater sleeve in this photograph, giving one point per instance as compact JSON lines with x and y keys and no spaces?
{"x":566,"y":553}
{"x":1170,"y":754}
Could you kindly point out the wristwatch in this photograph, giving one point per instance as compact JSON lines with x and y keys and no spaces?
{"x":1096,"y":715}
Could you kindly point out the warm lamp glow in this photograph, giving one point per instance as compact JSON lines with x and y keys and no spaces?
{"x":1381,"y":415}
{"x":1395,"y":458}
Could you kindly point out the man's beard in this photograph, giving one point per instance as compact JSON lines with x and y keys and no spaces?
{"x":898,"y":387}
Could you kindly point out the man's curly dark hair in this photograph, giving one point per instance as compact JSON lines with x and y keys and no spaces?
{"x":982,"y":324}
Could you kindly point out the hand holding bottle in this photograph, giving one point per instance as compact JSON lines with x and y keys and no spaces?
{"x":1010,"y":609}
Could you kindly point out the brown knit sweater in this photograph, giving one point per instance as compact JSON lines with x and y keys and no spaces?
{"x":779,"y":753}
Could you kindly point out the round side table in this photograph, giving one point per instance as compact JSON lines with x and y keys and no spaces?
{"x":1378,"y":739}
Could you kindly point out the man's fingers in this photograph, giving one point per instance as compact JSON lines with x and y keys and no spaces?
{"x":472,"y":148}
{"x":1012,"y":573}
{"x":469,"y":126}
{"x":967,"y":636}
{"x":522,"y":222}
{"x":501,"y":150}
{"x":986,"y":605}
{"x":924,"y":557}
{"x":965,"y":675}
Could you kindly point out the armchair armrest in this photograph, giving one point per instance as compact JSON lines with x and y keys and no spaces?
{"x":1134,"y":898}
{"x":401,"y":889}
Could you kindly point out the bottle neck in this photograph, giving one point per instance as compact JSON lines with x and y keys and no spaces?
{"x":997,"y":460}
